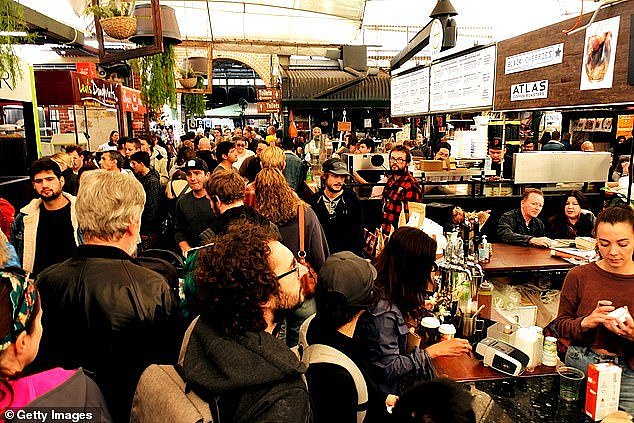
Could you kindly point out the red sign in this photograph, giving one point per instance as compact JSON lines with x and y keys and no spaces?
{"x":95,"y":90}
{"x":269,"y":107}
{"x":267,"y":94}
{"x":88,"y":69}
{"x":131,"y":100}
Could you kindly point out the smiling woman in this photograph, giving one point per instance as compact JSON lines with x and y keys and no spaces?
{"x":592,"y":292}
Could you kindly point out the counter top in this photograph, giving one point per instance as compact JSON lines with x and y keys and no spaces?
{"x":508,"y":257}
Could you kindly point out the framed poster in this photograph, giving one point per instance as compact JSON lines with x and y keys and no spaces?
{"x":599,"y":52}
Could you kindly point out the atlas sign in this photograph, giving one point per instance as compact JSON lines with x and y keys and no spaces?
{"x":529,"y":90}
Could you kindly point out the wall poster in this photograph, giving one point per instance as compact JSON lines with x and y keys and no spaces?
{"x":597,"y":68}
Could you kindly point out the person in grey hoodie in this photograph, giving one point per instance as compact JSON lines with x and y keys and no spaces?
{"x":232,"y":360}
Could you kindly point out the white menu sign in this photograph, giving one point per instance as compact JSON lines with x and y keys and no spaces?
{"x":545,"y":56}
{"x":410,"y":93}
{"x":463,"y":82}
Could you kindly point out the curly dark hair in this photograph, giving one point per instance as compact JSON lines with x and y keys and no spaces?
{"x":234,"y":279}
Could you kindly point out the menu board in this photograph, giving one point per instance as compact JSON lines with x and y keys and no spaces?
{"x":464,"y":82}
{"x":410,"y":93}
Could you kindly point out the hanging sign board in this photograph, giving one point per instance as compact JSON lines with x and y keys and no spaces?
{"x":267,"y":94}
{"x":269,"y":107}
{"x":464,"y":82}
{"x":624,"y":125}
{"x":131,"y":100}
{"x":21,"y":90}
{"x":529,"y":90}
{"x":344,"y":126}
{"x":545,"y":56}
{"x":599,"y":54}
{"x":410,"y":93}
{"x":94,"y":90}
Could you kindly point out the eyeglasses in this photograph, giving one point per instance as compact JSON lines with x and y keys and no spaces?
{"x":241,"y":145}
{"x":398,"y":160}
{"x":296,"y":268}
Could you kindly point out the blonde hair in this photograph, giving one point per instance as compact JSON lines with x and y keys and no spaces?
{"x":274,"y":198}
{"x":63,"y":159}
{"x":273,"y":157}
{"x":106,"y":204}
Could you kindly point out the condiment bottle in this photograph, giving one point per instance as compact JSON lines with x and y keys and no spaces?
{"x":485,"y":297}
{"x":549,"y":354}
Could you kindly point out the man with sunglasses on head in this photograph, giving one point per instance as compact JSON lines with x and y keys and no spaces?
{"x":401,"y":187}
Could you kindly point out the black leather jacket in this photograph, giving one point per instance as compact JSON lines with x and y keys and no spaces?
{"x":107,"y":314}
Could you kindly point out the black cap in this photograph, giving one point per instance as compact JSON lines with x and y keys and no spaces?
{"x":195,"y":164}
{"x":351,"y":276}
{"x":495,"y":143}
{"x":335,"y":166}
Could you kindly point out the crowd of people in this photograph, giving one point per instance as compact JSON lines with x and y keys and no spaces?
{"x":85,"y":309}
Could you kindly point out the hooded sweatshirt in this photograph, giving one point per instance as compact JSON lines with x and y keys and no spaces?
{"x":254,"y":377}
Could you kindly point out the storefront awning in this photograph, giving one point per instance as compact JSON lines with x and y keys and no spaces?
{"x":316,"y":86}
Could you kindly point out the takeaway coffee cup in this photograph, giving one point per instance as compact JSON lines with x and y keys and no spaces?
{"x":430,"y":326}
{"x":447,"y":332}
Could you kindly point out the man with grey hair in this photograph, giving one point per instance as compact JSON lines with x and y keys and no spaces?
{"x":104,"y":312}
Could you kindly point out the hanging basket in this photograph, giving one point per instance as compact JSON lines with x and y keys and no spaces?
{"x":188,"y":82}
{"x":119,"y":27}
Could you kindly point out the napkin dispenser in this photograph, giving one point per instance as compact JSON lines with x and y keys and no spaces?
{"x":501,"y":356}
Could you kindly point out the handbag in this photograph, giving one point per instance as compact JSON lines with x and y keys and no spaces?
{"x":309,"y":280}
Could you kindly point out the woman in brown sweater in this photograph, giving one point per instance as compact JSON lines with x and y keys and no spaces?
{"x":590,"y":292}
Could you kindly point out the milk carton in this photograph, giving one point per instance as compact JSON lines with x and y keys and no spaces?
{"x":602,"y":390}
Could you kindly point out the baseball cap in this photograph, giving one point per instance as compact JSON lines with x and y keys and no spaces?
{"x":195,"y":164}
{"x":495,"y":143}
{"x":335,"y":166}
{"x":349,"y":275}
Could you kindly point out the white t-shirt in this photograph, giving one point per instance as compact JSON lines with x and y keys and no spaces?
{"x":247,"y":153}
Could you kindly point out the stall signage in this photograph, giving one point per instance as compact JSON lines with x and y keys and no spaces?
{"x":529,"y":90}
{"x":545,"y":56}
{"x":625,"y":125}
{"x":409,"y":93}
{"x":344,"y":126}
{"x":87,"y":68}
{"x":131,"y":100}
{"x":464,"y":82}
{"x":21,"y":90}
{"x":267,"y":94}
{"x":97,"y":90}
{"x":269,"y":107}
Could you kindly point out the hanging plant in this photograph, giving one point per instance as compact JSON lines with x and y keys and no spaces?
{"x":194,"y":104}
{"x":11,"y":21}
{"x":115,"y":18}
{"x":158,"y":82}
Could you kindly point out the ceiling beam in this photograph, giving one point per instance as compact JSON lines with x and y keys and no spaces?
{"x":50,"y":27}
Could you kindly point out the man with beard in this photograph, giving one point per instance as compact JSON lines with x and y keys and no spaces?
{"x":400,"y":188}
{"x":338,"y":209}
{"x":151,"y":181}
{"x":522,"y":226}
{"x":232,"y":359}
{"x":45,"y":230}
{"x":193,"y":212}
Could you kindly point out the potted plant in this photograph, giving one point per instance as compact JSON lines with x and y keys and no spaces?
{"x":194,"y":104}
{"x":188,"y":78}
{"x":115,"y":18}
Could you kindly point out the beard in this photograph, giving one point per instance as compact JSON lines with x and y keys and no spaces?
{"x":50,"y":196}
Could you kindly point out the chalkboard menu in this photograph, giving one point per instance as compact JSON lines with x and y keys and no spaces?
{"x":463,"y":82}
{"x":410,"y":93}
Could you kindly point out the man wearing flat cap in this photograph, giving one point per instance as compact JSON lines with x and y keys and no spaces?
{"x":193,"y":212}
{"x":338,"y":209}
{"x":497,"y":151}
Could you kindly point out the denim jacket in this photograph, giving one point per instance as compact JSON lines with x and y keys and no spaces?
{"x":383,"y":334}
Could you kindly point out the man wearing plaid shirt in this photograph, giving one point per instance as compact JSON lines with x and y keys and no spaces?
{"x":401,"y":187}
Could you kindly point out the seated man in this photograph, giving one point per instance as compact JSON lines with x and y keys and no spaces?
{"x":522,"y":226}
{"x":345,"y":290}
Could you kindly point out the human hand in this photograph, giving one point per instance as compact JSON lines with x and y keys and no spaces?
{"x":541,"y":241}
{"x":450,"y":348}
{"x":598,"y":316}
{"x":624,"y":329}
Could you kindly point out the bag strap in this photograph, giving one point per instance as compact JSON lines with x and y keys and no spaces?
{"x":320,"y":353}
{"x":300,"y":214}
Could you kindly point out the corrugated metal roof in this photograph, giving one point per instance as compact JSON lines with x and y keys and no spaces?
{"x":312,"y":84}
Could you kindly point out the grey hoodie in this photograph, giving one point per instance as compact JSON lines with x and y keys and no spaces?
{"x":255,"y":377}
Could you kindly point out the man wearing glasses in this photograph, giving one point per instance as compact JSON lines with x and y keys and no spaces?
{"x":401,"y":187}
{"x":241,"y":150}
{"x":233,"y":360}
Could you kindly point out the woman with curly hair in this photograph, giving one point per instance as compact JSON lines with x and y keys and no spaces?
{"x":232,"y":359}
{"x":276,"y":201}
{"x":20,"y":335}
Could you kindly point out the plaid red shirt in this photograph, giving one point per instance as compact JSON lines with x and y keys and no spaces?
{"x":399,"y":189}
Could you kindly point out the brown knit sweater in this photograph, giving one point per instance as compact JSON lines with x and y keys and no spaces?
{"x":583,"y":288}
